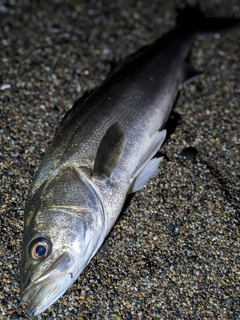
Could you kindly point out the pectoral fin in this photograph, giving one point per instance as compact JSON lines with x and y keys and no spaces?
{"x":109,"y":151}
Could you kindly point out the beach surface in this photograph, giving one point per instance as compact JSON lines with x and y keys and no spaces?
{"x":174,"y":253}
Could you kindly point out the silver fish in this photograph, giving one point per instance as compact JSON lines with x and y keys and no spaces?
{"x":103,"y":150}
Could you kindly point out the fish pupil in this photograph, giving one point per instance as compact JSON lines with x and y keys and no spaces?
{"x":40,"y":250}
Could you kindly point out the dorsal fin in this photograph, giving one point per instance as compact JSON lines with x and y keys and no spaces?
{"x":76,"y":106}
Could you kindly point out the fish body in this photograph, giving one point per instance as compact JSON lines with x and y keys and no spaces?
{"x":103,"y":151}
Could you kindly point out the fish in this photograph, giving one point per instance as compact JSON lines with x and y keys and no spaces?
{"x":104,"y":149}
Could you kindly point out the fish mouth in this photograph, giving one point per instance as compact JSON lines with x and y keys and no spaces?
{"x":40,"y":297}
{"x":45,"y":290}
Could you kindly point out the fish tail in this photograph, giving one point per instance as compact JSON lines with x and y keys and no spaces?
{"x":192,"y":19}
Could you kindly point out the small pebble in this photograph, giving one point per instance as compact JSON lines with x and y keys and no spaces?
{"x":5,"y":86}
{"x":171,"y":227}
{"x":188,"y":154}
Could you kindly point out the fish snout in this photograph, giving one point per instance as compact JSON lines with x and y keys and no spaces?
{"x":44,"y":290}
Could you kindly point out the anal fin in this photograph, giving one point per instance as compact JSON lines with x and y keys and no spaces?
{"x":190,"y":74}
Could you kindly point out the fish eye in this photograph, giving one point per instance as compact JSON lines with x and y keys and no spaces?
{"x":40,"y":250}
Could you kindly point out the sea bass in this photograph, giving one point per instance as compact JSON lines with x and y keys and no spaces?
{"x":102,"y":151}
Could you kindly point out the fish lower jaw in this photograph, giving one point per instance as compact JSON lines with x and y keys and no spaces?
{"x":41,"y":296}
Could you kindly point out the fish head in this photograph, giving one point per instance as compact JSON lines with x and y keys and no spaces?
{"x":59,"y":241}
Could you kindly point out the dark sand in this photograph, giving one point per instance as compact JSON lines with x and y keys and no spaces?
{"x":174,"y":253}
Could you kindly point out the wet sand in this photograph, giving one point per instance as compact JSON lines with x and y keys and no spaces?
{"x":174,"y":252}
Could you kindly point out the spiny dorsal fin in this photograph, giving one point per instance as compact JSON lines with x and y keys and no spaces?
{"x":68,"y":116}
{"x":109,"y":151}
